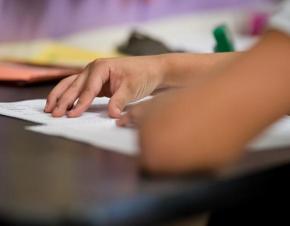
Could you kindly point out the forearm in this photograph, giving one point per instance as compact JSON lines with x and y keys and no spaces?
{"x":181,"y":68}
{"x":208,"y":127}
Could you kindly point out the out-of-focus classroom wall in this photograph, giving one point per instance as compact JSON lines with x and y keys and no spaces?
{"x":29,"y":19}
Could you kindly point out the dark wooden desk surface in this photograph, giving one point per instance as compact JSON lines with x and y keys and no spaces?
{"x":52,"y":180}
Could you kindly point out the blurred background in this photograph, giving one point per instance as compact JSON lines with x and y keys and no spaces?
{"x":73,"y":32}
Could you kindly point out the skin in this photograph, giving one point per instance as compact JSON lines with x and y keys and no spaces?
{"x":122,"y":79}
{"x":225,"y":101}
{"x":128,"y":79}
{"x":206,"y":127}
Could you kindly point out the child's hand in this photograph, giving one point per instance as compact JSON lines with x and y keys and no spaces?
{"x":122,"y":79}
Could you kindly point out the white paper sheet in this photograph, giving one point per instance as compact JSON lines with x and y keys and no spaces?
{"x":276,"y":136}
{"x":96,"y":128}
{"x":122,"y":140}
{"x":93,"y":127}
{"x":32,"y":110}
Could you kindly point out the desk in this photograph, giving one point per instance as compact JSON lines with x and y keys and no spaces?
{"x":53,"y":181}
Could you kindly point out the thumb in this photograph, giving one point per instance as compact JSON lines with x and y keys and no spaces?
{"x":119,"y":100}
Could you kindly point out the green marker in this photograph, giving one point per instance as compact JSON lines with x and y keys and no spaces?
{"x":223,"y":39}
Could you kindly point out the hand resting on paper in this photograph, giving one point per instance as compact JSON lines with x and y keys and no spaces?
{"x":128,"y":79}
{"x":121,"y":79}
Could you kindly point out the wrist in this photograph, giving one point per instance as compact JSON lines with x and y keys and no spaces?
{"x":162,"y":66}
{"x":167,"y":66}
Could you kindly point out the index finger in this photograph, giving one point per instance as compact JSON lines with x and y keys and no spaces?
{"x":91,"y":89}
{"x":57,"y":91}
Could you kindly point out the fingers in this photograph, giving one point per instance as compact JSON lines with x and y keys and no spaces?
{"x":57,"y":92}
{"x":69,"y":96}
{"x":91,"y":89}
{"x":119,"y":100}
{"x":83,"y":87}
{"x":101,"y":77}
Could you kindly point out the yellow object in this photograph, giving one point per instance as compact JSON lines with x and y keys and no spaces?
{"x":49,"y":52}
{"x":55,"y":53}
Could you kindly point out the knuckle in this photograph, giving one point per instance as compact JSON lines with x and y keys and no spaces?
{"x":97,"y":62}
{"x":102,"y":62}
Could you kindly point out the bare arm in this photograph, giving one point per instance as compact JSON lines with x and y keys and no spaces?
{"x":180,"y":69}
{"x":208,"y":126}
{"x":128,"y":79}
